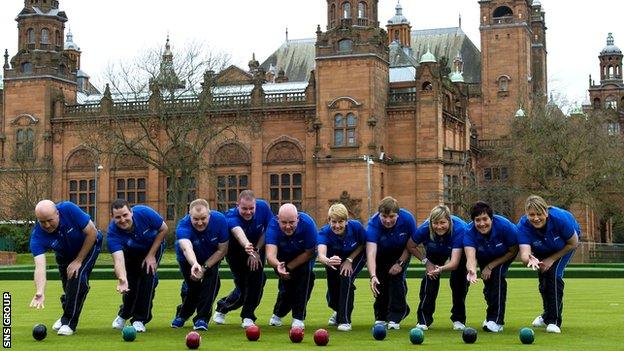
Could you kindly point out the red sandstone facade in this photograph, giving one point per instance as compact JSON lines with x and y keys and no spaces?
{"x":412,"y":103}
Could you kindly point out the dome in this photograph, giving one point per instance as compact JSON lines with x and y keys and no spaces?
{"x":456,"y":77}
{"x":427,"y":57}
{"x":610,"y":48}
{"x":398,"y":18}
{"x":536,"y":3}
{"x":69,"y":42}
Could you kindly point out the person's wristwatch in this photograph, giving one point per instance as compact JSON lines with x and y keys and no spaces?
{"x":399,"y":262}
{"x":349,"y":259}
{"x":425,"y":260}
{"x":205,"y":266}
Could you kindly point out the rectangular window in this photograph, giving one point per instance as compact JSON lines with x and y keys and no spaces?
{"x":228,"y":188}
{"x":131,"y":190}
{"x":284,"y":188}
{"x":191,"y":195}
{"x":82,"y":193}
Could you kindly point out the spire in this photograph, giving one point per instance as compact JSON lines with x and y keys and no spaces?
{"x":456,"y":75}
{"x":6,"y":59}
{"x":287,"y":34}
{"x":398,"y":17}
{"x":69,"y":41}
{"x":253,"y":63}
{"x":460,"y":20}
{"x":610,"y":39}
{"x":167,"y":76}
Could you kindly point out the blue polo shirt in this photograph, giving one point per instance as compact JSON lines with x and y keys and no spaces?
{"x":560,"y":227}
{"x":342,"y":245}
{"x":67,"y":239}
{"x":441,"y":245}
{"x":256,"y":226}
{"x":503,"y":235}
{"x":206,"y":242}
{"x":145,"y":225}
{"x":289,"y":247}
{"x":395,"y":238}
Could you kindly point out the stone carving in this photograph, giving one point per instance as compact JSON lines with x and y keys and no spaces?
{"x":230,"y":154}
{"x":284,"y":152}
{"x":354,"y":206}
{"x":81,"y":160}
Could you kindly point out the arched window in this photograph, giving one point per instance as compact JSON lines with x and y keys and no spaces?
{"x":57,"y":38}
{"x":346,"y":10}
{"x":30,"y":36}
{"x":45,"y":36}
{"x":596,"y":104}
{"x":25,"y":144}
{"x":502,"y":11}
{"x":362,"y":10}
{"x":611,"y":102}
{"x":344,"y":130}
{"x":503,"y":83}
{"x":62,"y":69}
{"x":27,"y":68}
{"x":345,"y":45}
{"x":610,"y":74}
{"x":427,"y":86}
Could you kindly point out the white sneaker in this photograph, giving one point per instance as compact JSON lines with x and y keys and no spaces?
{"x":219,"y":318}
{"x":297,"y":323}
{"x":553,"y":328}
{"x":538,"y":322}
{"x":422,"y":326}
{"x":275,"y":321}
{"x":139,"y":326}
{"x":491,"y":326}
{"x":119,"y":323}
{"x":393,"y":325}
{"x":344,"y":327}
{"x":65,"y":330}
{"x":381,"y":322}
{"x":457,"y":325}
{"x":332,"y":319}
{"x":57,"y":325}
{"x":247,"y":322}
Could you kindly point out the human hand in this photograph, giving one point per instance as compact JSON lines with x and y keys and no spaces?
{"x":37,"y":301}
{"x":73,"y":269}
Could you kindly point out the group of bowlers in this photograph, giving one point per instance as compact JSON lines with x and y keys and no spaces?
{"x":249,"y":235}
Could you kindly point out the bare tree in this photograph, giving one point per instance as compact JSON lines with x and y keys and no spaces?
{"x":25,"y":181}
{"x":164,"y":111}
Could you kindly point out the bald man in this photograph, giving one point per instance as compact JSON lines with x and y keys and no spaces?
{"x":67,"y":230}
{"x":290,"y":248}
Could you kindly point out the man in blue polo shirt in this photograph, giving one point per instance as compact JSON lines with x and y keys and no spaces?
{"x":290,"y":247}
{"x":135,"y":239}
{"x":247,"y":223}
{"x":442,"y":236}
{"x":548,"y":236}
{"x":386,"y":258}
{"x":202,"y":242}
{"x":67,"y":230}
{"x":492,"y":242}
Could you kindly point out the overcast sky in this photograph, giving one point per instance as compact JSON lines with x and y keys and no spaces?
{"x":109,"y":31}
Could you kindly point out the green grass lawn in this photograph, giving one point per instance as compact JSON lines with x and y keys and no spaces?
{"x":593,"y":317}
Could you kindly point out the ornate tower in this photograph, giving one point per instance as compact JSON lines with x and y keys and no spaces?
{"x":610,"y":62}
{"x":41,"y":75}
{"x":399,"y":28}
{"x":507,"y":65}
{"x":539,"y":50}
{"x":352,"y":72}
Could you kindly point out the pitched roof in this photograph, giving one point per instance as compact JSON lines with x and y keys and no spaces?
{"x":297,"y":57}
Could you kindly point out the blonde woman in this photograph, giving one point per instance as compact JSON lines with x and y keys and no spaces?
{"x":341,"y":245}
{"x":548,"y":236}
{"x":442,"y":236}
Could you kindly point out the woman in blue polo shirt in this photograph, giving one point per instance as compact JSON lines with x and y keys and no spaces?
{"x":492,"y":242}
{"x":442,"y":236}
{"x":340,"y":249}
{"x":548,"y":236}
